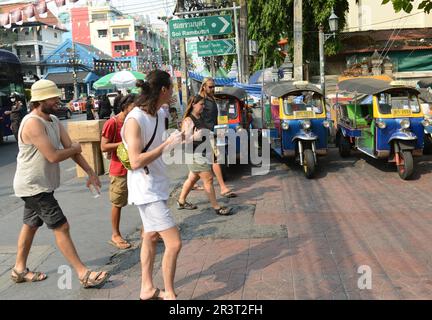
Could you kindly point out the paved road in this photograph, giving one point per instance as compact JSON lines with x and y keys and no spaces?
{"x":90,"y":228}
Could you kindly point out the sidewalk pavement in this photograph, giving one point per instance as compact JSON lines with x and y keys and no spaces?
{"x":356,"y":231}
{"x":334,"y":237}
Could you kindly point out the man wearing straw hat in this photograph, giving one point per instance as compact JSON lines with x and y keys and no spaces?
{"x":43,"y":143}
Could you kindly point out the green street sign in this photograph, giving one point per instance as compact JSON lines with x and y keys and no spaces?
{"x":202,"y":26}
{"x":216,"y":48}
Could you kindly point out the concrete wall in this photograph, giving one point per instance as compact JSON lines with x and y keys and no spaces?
{"x":372,"y":15}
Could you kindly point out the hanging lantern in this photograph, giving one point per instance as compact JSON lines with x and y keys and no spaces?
{"x":17,"y":17}
{"x":29,"y":13}
{"x":41,"y":9}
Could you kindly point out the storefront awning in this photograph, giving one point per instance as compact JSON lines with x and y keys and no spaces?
{"x":65,"y":78}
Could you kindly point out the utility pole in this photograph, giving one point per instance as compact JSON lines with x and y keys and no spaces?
{"x":74,"y":74}
{"x":212,"y":58}
{"x":244,"y":42}
{"x":298,"y":40}
{"x":183,"y":58}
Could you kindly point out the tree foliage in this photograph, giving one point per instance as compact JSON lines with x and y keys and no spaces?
{"x":407,"y":5}
{"x":271,"y":20}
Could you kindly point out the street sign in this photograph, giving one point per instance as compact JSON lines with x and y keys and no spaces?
{"x":197,"y":27}
{"x":216,"y":47}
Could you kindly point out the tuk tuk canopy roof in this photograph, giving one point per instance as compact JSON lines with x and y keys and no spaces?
{"x":239,"y":93}
{"x":279,"y":89}
{"x":369,"y":86}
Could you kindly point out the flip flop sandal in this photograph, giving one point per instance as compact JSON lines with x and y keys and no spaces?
{"x":19,"y":277}
{"x":186,"y":205}
{"x":229,"y":194}
{"x":122,"y":245}
{"x":155,"y":296}
{"x":224,"y":211}
{"x":97,"y":281}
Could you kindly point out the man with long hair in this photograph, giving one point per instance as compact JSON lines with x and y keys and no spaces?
{"x":209,"y":116}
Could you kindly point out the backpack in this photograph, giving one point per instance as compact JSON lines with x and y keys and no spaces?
{"x":123,"y":155}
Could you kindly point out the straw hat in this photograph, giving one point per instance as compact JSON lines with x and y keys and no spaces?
{"x":43,"y":90}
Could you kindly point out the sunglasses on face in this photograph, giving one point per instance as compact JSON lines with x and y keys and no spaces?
{"x":211,"y":87}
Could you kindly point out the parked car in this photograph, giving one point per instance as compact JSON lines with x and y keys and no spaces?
{"x":79,"y":105}
{"x":63,"y":111}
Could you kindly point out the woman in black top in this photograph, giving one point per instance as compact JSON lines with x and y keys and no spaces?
{"x":16,"y":115}
{"x":200,"y":167}
{"x":104,"y":108}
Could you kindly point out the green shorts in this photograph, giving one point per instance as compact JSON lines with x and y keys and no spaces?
{"x":200,"y":164}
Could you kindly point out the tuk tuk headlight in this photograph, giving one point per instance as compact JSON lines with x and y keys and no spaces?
{"x":381,"y":124}
{"x":425,"y":122}
{"x":306,"y":124}
{"x":405,"y":124}
{"x":326,"y":124}
{"x":285,"y":125}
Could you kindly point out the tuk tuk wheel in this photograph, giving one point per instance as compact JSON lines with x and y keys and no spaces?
{"x":308,"y":163}
{"x":344,"y":147}
{"x":406,"y":166}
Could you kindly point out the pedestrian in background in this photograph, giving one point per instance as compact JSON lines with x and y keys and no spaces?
{"x":209,"y":116}
{"x":105,"y":108}
{"x":43,"y":143}
{"x":15,"y":114}
{"x":200,"y":167}
{"x":148,"y":183}
{"x":90,"y":108}
{"x":116,"y":104}
{"x":118,"y":190}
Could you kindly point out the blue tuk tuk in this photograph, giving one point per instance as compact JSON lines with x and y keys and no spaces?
{"x":300,"y":127}
{"x":384,"y":120}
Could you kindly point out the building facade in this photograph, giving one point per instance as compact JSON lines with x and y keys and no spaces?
{"x":132,"y":43}
{"x":32,"y":41}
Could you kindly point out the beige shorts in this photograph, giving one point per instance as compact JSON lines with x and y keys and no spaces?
{"x":118,"y":191}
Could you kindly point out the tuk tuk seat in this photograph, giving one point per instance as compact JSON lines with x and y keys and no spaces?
{"x":356,"y":115}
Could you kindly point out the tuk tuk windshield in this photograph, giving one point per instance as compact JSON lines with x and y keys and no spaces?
{"x":302,"y":101}
{"x":399,"y":100}
{"x":227,"y":107}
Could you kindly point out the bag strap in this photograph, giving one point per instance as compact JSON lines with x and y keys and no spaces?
{"x":146,"y":170}
{"x":115,"y":130}
{"x":153,"y":136}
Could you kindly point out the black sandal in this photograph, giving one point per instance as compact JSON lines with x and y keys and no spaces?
{"x":224,"y":211}
{"x":186,"y":205}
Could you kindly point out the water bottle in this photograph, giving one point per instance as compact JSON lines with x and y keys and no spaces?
{"x":94,"y":191}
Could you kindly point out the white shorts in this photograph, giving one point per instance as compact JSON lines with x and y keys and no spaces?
{"x":156,"y":216}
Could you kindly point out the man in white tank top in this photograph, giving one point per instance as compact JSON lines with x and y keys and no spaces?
{"x":40,"y":139}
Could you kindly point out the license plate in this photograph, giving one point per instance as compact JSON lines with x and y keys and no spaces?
{"x":304,"y":114}
{"x":401,"y":112}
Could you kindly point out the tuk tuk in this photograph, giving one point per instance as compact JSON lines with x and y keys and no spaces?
{"x":234,"y":118}
{"x":384,"y":120}
{"x":300,"y":125}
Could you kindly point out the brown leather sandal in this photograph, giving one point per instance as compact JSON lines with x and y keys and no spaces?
{"x":95,"y":282}
{"x":19,"y":277}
